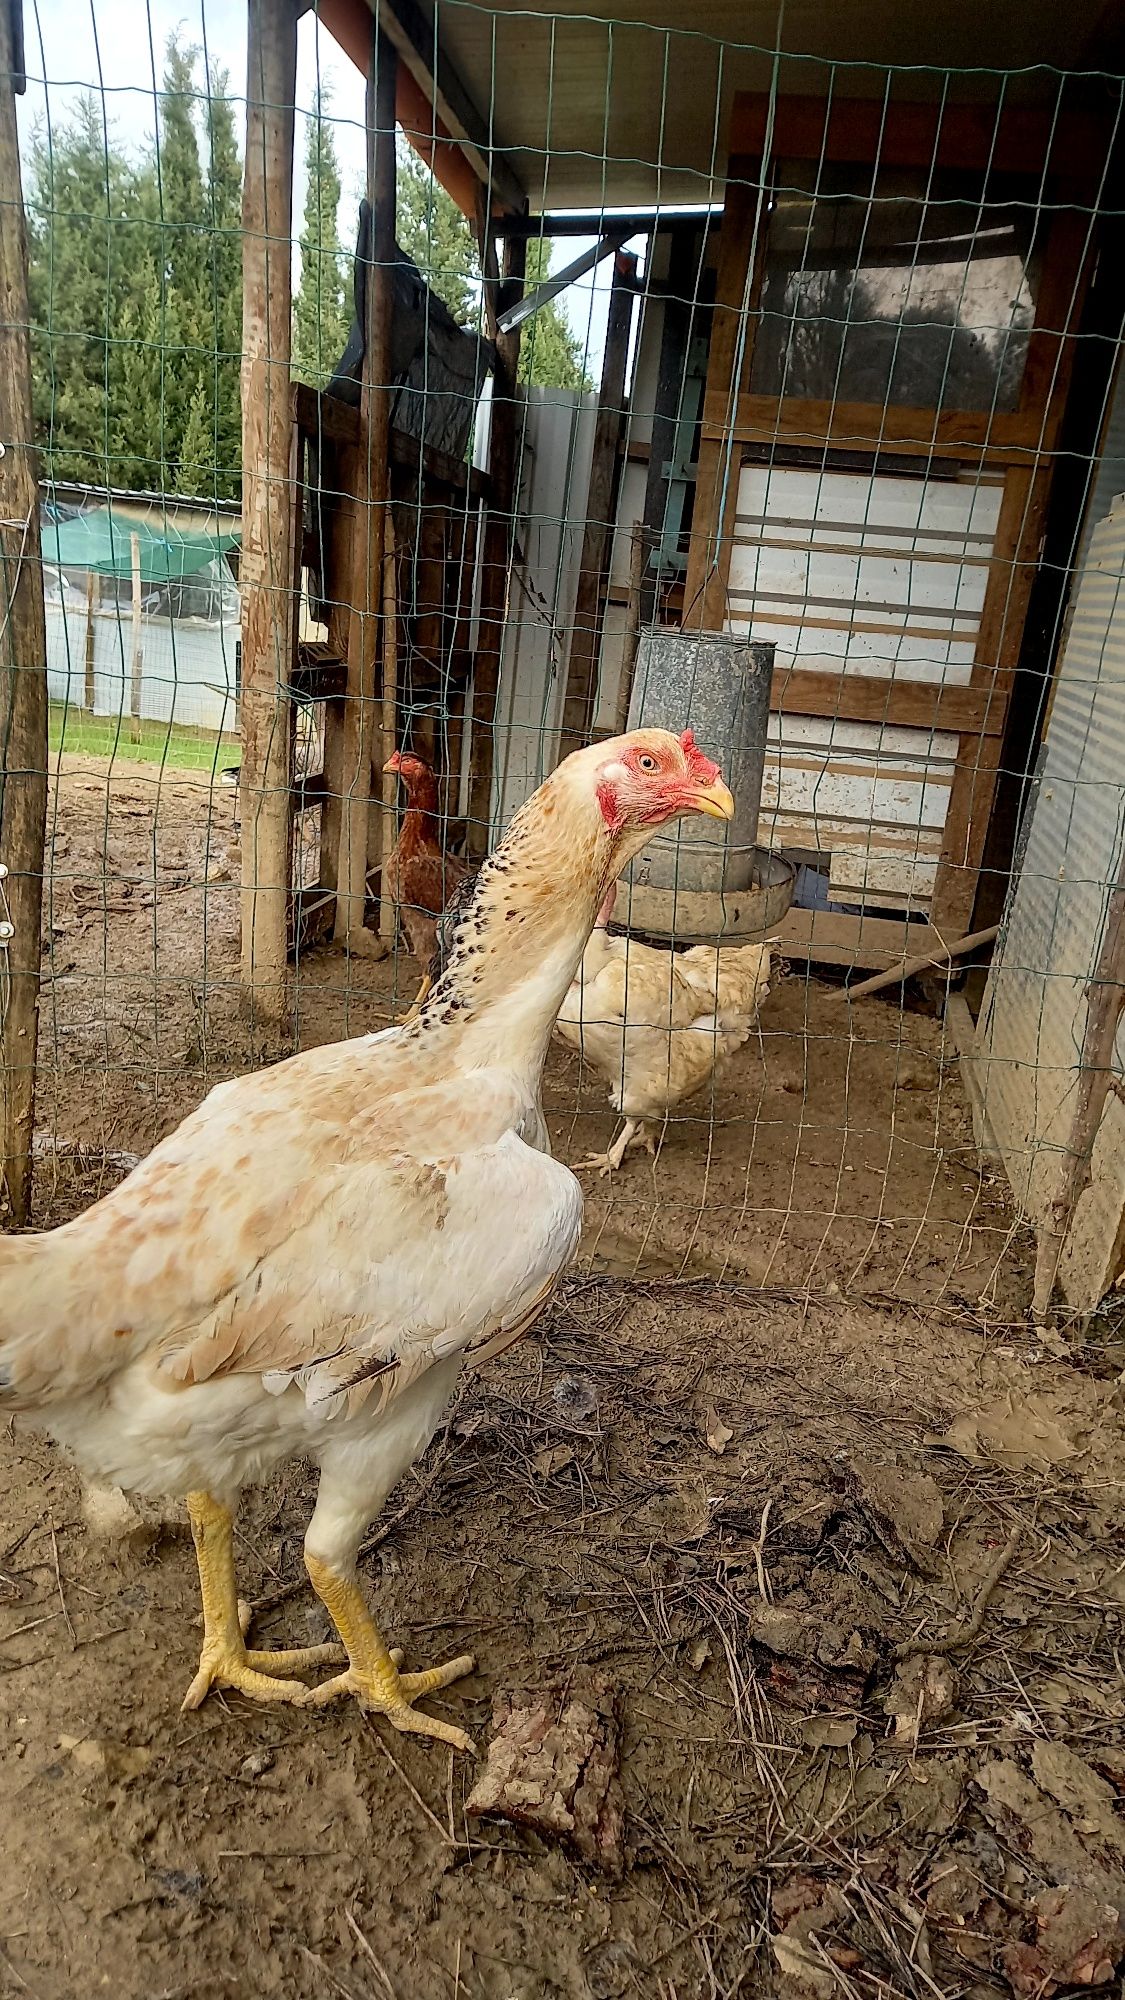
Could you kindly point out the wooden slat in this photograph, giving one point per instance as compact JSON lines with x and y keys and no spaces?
{"x":1014,"y":139}
{"x":825,"y":937}
{"x":996,"y":437}
{"x":326,"y":419}
{"x":896,"y":703}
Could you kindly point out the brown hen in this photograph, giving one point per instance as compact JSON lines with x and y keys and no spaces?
{"x":421,"y":876}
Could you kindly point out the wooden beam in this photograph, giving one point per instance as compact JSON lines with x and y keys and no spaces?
{"x":824,"y":937}
{"x":23,"y":655}
{"x":266,"y":563}
{"x":894,"y":703}
{"x":1008,"y":139}
{"x":601,"y":500}
{"x":499,"y":527}
{"x":373,"y":492}
{"x":449,"y":108}
{"x":962,"y":436}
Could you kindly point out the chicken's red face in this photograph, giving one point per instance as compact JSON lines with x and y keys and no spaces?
{"x":405,"y":765}
{"x":650,"y":777}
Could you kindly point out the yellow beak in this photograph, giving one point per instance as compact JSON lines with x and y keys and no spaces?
{"x":716,"y":800}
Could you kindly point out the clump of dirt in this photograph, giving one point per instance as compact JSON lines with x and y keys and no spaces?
{"x":684,"y":1494}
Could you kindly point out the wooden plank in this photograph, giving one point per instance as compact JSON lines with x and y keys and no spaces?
{"x":824,"y":937}
{"x":499,"y":527}
{"x":896,"y":703}
{"x":266,"y":562}
{"x":418,"y":47}
{"x":326,"y":418}
{"x":372,"y":507}
{"x":978,"y":756}
{"x":23,"y":676}
{"x":996,"y":437}
{"x":1019,"y":540}
{"x":437,"y":465}
{"x":1008,"y":139}
{"x":601,"y":505}
{"x":716,"y":490}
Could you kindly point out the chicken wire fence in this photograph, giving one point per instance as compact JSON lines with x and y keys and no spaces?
{"x":818,"y":354}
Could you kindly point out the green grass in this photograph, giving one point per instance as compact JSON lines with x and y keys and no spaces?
{"x":110,"y":736}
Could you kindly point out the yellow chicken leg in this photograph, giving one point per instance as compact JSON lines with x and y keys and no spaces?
{"x":372,"y":1674}
{"x":224,"y":1660}
{"x":632,"y":1133}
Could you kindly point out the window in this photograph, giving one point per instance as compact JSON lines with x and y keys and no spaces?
{"x":899,"y":287}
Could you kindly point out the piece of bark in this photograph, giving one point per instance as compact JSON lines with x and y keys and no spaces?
{"x":552,"y":1766}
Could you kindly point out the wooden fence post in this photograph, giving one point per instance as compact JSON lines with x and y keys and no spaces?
{"x":23,"y":658}
{"x":372,"y":503}
{"x":266,"y":562}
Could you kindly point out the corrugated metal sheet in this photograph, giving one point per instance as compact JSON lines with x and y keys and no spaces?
{"x":558,"y":442}
{"x":1030,"y":1033}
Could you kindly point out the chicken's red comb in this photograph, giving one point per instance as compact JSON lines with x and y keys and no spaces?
{"x":700,"y":766}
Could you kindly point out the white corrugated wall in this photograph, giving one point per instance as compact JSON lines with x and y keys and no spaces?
{"x":1030,"y":1033}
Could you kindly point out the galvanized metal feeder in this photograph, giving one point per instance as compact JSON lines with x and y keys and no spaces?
{"x":701,"y":880}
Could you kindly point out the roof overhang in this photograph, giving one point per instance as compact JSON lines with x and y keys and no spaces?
{"x":563,"y":109}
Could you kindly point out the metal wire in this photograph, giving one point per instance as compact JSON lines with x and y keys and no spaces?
{"x":915,"y":353}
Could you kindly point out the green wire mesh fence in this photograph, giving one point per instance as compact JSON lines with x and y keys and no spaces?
{"x":676,"y":334}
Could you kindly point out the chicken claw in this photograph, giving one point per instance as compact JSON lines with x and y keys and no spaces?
{"x":224,"y":1660}
{"x":632,"y":1133}
{"x":372,"y":1674}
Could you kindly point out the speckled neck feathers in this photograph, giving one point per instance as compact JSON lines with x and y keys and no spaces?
{"x":521,"y":930}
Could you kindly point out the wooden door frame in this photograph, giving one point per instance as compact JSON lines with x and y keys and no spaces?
{"x":1067,"y":152}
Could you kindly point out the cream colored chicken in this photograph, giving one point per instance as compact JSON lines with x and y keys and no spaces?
{"x":657,"y":1023}
{"x":303,"y":1266}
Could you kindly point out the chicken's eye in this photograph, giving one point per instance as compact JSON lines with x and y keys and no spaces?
{"x":646,"y":762}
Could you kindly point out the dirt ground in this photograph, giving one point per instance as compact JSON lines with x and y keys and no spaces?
{"x":840,"y":1534}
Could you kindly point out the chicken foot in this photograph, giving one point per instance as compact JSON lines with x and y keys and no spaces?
{"x":372,"y":1674}
{"x":632,"y":1133}
{"x":224,"y":1660}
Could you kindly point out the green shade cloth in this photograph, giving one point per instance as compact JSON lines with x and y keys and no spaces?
{"x":103,"y":541}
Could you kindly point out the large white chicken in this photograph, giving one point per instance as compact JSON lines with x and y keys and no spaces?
{"x":302,"y":1266}
{"x":657,"y":1023}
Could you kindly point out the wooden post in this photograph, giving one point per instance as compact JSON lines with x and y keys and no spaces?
{"x":23,"y":657}
{"x":597,"y":540}
{"x":137,"y":662}
{"x":499,"y":527}
{"x":372,"y":507}
{"x":388,"y":783}
{"x":93,"y":593}
{"x":266,"y":564}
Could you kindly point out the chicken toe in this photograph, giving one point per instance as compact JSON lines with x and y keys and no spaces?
{"x":224,"y":1660}
{"x":372,"y":1675}
{"x":632,"y":1133}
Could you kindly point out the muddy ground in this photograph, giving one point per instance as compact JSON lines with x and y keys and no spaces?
{"x":840,"y":1533}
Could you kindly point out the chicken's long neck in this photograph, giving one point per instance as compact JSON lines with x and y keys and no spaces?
{"x":419,"y":821}
{"x":521,"y":939}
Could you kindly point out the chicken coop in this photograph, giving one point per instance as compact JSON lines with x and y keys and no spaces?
{"x":397,"y":396}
